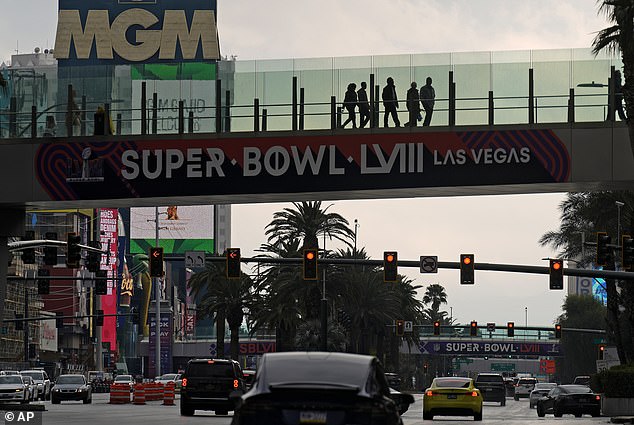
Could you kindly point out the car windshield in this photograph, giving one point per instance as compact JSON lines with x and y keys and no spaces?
{"x":37,"y":376}
{"x":452,"y":383}
{"x":123,"y":378}
{"x":70,"y":379}
{"x":167,"y":377}
{"x":10,"y":379}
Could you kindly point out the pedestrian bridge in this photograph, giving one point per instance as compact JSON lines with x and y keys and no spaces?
{"x":268,"y":131}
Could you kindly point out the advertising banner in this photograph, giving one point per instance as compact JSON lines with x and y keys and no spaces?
{"x":489,"y":348}
{"x":382,"y":163}
{"x":48,"y":333}
{"x":108,"y":223}
{"x":166,"y":343}
{"x":111,"y":32}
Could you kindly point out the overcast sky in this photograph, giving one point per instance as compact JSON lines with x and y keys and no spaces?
{"x":501,"y":229}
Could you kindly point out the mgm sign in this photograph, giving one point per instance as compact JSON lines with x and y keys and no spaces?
{"x":136,"y":32}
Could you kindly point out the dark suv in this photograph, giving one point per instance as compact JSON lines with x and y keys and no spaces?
{"x":492,"y":387}
{"x":207,"y":384}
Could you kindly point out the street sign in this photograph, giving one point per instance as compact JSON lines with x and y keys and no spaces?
{"x":428,"y":264}
{"x":503,"y":367}
{"x":195,"y":259}
{"x":409,"y":326}
{"x":491,"y":327}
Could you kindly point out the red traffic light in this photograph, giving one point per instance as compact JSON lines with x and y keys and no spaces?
{"x":389,"y":258}
{"x":310,"y":255}
{"x":556,"y":265}
{"x":466,"y":260}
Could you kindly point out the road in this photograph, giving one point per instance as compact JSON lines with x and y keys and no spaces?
{"x":154,"y":413}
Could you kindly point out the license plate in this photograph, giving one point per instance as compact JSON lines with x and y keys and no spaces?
{"x":452,"y":396}
{"x":312,"y":417}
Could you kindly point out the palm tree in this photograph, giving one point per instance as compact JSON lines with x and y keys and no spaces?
{"x":435,"y":295}
{"x":227,"y":298}
{"x":620,"y":38}
{"x":587,"y":213}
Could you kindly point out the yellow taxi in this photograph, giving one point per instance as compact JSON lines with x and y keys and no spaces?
{"x":452,"y":396}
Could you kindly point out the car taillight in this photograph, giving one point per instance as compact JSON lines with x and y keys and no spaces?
{"x":236,"y":383}
{"x":184,"y":383}
{"x":429,"y":393}
{"x":474,"y":394}
{"x":597,"y":397}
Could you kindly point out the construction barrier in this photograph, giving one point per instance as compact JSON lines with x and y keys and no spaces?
{"x":139,"y":394}
{"x":168,"y":394}
{"x":150,"y":391}
{"x":119,"y":394}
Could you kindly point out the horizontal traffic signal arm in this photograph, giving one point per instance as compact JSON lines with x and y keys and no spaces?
{"x":467,"y":327}
{"x":36,"y":243}
{"x":511,"y":268}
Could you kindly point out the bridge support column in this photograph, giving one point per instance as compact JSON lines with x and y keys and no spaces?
{"x":531,"y":97}
{"x":11,"y":224}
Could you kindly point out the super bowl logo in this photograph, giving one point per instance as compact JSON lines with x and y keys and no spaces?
{"x":436,"y":348}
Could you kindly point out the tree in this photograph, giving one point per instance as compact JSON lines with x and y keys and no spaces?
{"x":227,"y":298}
{"x":587,"y":213}
{"x":620,"y":38}
{"x":579,"y":312}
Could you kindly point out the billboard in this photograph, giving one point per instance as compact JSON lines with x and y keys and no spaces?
{"x":108,"y":230}
{"x":111,"y":32}
{"x":181,"y":228}
{"x":48,"y":333}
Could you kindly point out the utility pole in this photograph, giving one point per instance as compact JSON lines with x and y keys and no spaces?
{"x":157,"y":298}
{"x":26,"y":323}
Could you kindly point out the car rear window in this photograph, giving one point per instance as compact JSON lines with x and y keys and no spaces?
{"x":489,"y":378}
{"x":70,"y":380}
{"x":527,"y":381}
{"x":38,"y":376}
{"x":453,"y":383}
{"x":210,"y":370}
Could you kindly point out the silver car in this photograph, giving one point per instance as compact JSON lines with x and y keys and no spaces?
{"x":541,"y":389}
{"x":13,"y":389}
{"x":31,"y":386}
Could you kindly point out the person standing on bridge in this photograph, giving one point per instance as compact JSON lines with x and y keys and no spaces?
{"x":618,"y":95}
{"x":350,"y":103}
{"x":428,"y":99}
{"x":364,"y":105}
{"x":390,"y":102}
{"x":413,"y":105}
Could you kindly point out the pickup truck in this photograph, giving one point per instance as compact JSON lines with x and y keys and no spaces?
{"x":491,"y":386}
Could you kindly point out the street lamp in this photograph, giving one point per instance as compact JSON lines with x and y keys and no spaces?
{"x":356,"y":225}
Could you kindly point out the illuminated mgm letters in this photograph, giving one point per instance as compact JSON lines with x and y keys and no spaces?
{"x":111,"y":38}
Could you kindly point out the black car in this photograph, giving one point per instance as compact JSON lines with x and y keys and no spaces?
{"x":207,"y":384}
{"x":71,"y":387}
{"x":574,"y":399}
{"x":492,"y":387}
{"x":320,"y":388}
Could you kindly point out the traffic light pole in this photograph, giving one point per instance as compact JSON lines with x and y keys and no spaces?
{"x":157,"y":298}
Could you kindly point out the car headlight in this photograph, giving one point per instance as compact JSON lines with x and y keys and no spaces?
{"x":55,"y":390}
{"x":19,"y":390}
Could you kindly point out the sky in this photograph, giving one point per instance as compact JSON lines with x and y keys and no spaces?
{"x":497,"y":229}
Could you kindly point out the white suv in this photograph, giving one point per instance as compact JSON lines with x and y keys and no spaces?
{"x":524,"y":387}
{"x":41,"y":379}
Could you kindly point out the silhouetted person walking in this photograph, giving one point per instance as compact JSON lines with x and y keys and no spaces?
{"x":364,"y":105}
{"x":427,"y":98}
{"x":618,"y":95}
{"x":390,"y":102}
{"x":350,"y":103}
{"x":413,"y":105}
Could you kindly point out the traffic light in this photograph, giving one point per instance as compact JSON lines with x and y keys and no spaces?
{"x":400,"y":327}
{"x":473,"y":329}
{"x":99,"y":321}
{"x":601,"y":352}
{"x":136,"y":315}
{"x":233,"y":263}
{"x":28,"y":254}
{"x":50,"y":252}
{"x":390,"y":266}
{"x":557,"y":331}
{"x":309,"y":265}
{"x":556,"y":272}
{"x":627,"y":252}
{"x":19,"y":324}
{"x":436,"y":328}
{"x":510,"y":329}
{"x":43,"y":282}
{"x":101,"y":284}
{"x":156,"y":261}
{"x":73,"y":250}
{"x":466,"y":269}
{"x":93,"y":258}
{"x":603,"y":250}
{"x":59,"y":321}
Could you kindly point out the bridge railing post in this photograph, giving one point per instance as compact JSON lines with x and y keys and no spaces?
{"x":264,"y":119}
{"x":571,"y":106}
{"x":531,"y":97}
{"x":33,"y":122}
{"x":154,"y":113}
{"x":181,"y":117}
{"x":372,"y":117}
{"x":144,"y":108}
{"x":227,"y":110}
{"x":301,"y":108}
{"x":218,"y":111}
{"x":256,"y":114}
{"x":333,"y":112}
{"x":294,"y":107}
{"x":452,"y":100}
